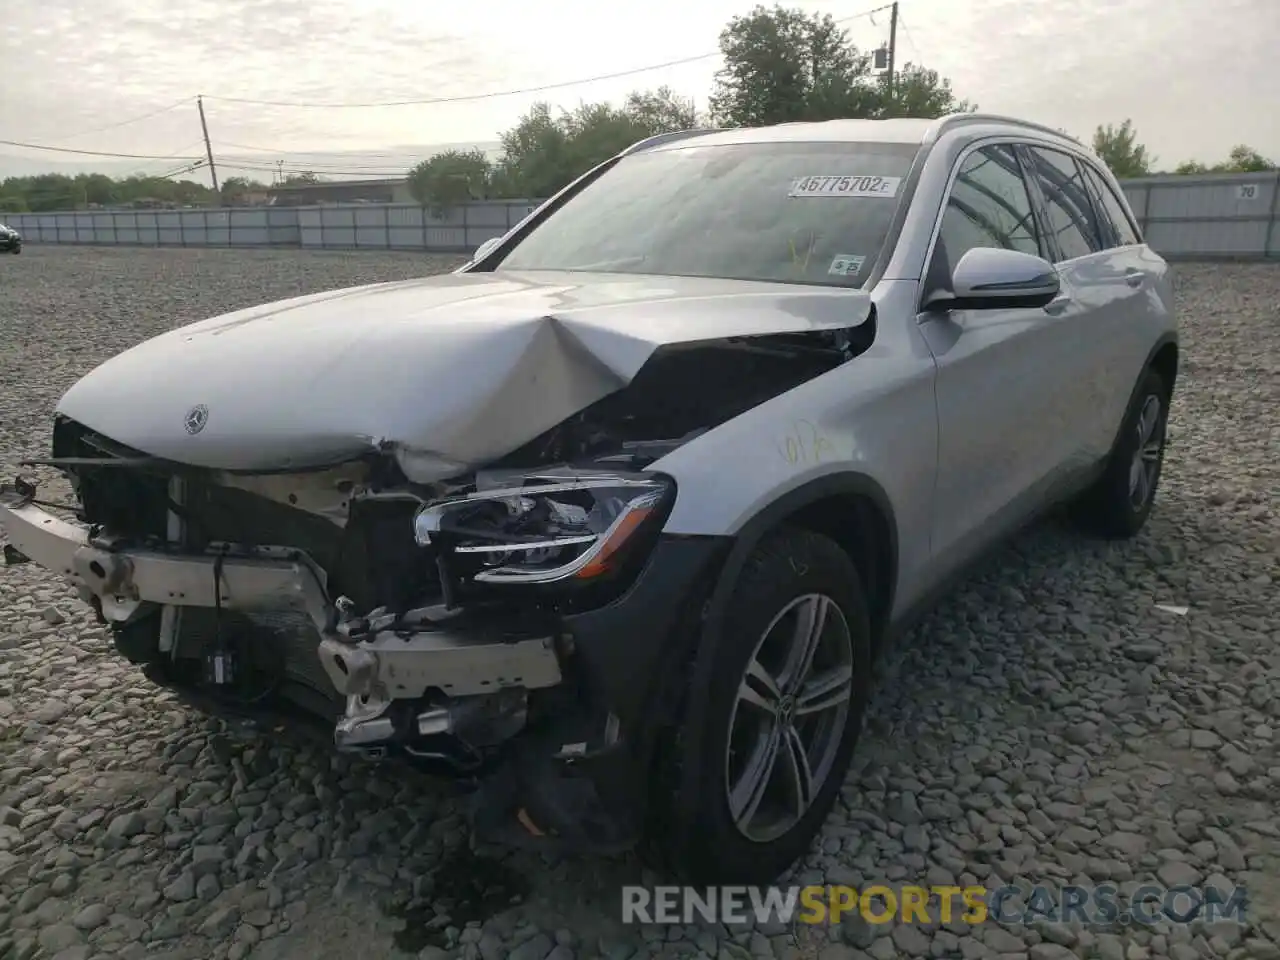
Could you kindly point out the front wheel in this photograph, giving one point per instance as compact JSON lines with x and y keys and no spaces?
{"x":785,"y":708}
{"x":1119,"y":502}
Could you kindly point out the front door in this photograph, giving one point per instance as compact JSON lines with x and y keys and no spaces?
{"x":1004,"y":404}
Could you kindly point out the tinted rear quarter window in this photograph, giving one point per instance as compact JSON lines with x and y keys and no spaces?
{"x":726,"y":211}
{"x":1122,"y":227}
{"x":1067,"y":203}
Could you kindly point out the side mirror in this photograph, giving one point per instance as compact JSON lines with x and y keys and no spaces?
{"x":988,"y":278}
{"x":486,"y":248}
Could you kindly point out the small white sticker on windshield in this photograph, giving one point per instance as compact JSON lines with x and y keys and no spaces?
{"x":853,"y":186}
{"x":845,"y":265}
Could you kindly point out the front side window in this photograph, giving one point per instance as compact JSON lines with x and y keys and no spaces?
{"x":989,"y":206}
{"x":1067,"y":203}
{"x":790,"y":212}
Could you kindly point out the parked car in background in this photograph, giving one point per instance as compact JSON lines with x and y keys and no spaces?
{"x":616,"y":519}
{"x":10,"y":239}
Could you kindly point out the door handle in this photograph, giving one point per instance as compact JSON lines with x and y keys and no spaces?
{"x":1134,"y":278}
{"x":1058,"y":306}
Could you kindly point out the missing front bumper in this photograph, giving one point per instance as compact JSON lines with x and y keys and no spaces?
{"x":404,"y":663}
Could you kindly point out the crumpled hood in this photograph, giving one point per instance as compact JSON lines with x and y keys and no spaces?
{"x":457,"y":369}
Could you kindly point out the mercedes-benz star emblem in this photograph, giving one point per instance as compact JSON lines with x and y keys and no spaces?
{"x":197,"y":417}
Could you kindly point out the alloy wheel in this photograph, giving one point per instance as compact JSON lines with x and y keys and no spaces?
{"x":789,"y":718}
{"x":1145,"y":467}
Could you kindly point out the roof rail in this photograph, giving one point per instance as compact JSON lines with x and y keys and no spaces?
{"x":673,"y":136}
{"x":956,"y":119}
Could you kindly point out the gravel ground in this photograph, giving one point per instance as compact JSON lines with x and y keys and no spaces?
{"x":1049,"y":724}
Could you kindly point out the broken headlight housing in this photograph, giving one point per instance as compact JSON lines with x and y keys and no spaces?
{"x":543,"y":530}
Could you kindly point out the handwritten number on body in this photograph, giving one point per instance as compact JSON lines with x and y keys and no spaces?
{"x":804,"y":443}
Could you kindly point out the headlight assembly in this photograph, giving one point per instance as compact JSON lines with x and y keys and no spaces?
{"x":548,"y":530}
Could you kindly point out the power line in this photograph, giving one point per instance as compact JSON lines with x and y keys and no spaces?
{"x":225,"y":161}
{"x":368,"y":174}
{"x":125,"y":123}
{"x":276,"y":151}
{"x":489,"y":95}
{"x":473,"y":96}
{"x":434,"y":100}
{"x":185,"y":168}
{"x":910,"y":39}
{"x":91,"y":153}
{"x":185,"y":165}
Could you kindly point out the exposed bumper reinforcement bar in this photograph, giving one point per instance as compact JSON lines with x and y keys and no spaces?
{"x":387,"y":665}
{"x":124,"y":579}
{"x":392,"y":666}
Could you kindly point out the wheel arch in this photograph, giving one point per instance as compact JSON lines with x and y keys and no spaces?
{"x":851,"y":508}
{"x":854,"y":511}
{"x":1163,"y":359}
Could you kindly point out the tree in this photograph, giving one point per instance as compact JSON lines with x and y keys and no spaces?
{"x":55,"y":191}
{"x":661,"y":111}
{"x":534,"y":156}
{"x":306,"y":176}
{"x":235,"y":189}
{"x":920,"y":92}
{"x":784,"y":65}
{"x":1119,"y":149}
{"x":1242,"y":159}
{"x":450,"y":178}
{"x":1245,"y":159}
{"x":545,"y":152}
{"x":97,"y":188}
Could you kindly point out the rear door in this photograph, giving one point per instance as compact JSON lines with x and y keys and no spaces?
{"x":1002,"y":396}
{"x":1143,"y":304}
{"x":1100,"y":284}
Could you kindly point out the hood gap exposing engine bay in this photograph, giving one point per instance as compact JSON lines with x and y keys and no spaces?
{"x":612,"y":523}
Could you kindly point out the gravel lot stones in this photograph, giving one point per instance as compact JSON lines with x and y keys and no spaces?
{"x":1048,"y":724}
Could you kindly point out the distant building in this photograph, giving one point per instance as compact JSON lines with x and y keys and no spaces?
{"x":251,"y":198}
{"x":394,"y":190}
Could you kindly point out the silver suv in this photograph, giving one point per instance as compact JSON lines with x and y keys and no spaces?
{"x":614,"y":520}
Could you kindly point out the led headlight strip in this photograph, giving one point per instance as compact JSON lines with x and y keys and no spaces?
{"x":643,"y":497}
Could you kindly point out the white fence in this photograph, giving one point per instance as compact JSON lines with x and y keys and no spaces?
{"x":1231,"y":216}
{"x":1216,"y":216}
{"x":357,"y":226}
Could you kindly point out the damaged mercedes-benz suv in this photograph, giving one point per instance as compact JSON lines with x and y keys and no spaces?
{"x":611,"y":522}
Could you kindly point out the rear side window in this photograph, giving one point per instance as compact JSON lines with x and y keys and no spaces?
{"x":1112,"y":209}
{"x":1067,"y":203}
{"x":989,"y":206}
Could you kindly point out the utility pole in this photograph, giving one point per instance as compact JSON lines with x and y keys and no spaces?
{"x":893,"y":49}
{"x":208,"y":147}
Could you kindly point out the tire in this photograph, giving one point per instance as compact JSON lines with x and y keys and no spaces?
{"x":785,"y":576}
{"x":139,"y":641}
{"x":1119,"y":502}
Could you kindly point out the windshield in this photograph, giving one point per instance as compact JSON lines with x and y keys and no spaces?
{"x":790,"y":212}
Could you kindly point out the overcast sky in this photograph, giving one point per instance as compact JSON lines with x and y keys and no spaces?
{"x":1196,"y":76}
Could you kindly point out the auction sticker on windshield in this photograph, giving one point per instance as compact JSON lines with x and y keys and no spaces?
{"x":855,"y":186}
{"x":846,"y":265}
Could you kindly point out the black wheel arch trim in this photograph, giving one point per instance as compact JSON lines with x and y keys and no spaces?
{"x":1163,"y":341}
{"x":745,"y":542}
